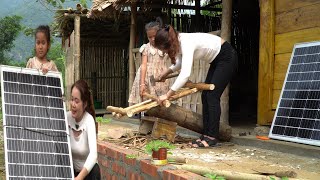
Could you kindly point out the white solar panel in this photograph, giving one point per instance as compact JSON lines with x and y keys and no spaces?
{"x":297,"y":117}
{"x":36,"y":139}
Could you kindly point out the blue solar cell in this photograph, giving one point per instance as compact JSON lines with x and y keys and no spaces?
{"x":37,"y":143}
{"x":298,"y":112}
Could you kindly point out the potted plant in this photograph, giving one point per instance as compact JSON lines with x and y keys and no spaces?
{"x":159,"y":150}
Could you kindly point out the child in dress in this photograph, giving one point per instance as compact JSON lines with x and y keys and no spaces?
{"x":153,"y":63}
{"x":42,"y":45}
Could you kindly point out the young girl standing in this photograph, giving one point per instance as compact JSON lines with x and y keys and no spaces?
{"x":153,"y":64}
{"x":42,"y":45}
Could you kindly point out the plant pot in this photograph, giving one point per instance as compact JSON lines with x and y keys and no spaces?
{"x":159,"y":157}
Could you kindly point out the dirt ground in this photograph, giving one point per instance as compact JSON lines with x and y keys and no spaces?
{"x":228,"y":157}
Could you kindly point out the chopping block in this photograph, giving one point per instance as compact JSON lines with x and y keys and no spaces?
{"x":158,"y":127}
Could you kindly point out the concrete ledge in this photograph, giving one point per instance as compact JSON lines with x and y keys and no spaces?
{"x":277,"y":145}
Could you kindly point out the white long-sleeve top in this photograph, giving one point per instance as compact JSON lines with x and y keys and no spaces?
{"x":83,"y":147}
{"x":194,"y":47}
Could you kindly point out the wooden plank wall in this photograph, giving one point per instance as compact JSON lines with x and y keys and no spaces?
{"x":296,"y":21}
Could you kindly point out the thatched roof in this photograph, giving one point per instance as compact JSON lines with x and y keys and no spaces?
{"x":105,"y":7}
{"x":101,"y":8}
{"x":111,"y":14}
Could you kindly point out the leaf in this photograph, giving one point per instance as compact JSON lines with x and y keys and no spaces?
{"x":155,"y":145}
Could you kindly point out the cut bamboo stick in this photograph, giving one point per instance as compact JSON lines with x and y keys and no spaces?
{"x":116,"y":109}
{"x":227,"y":174}
{"x":166,"y":103}
{"x":123,"y":111}
{"x":200,"y":86}
{"x":141,"y":108}
{"x":183,"y":93}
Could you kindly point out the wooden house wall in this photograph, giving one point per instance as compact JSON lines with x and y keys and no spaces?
{"x":296,"y":21}
{"x":283,"y":24}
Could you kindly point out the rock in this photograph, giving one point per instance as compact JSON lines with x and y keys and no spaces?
{"x":262,"y":130}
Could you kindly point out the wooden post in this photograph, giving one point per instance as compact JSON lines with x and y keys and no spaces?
{"x":226,"y":35}
{"x":76,"y":50}
{"x":266,"y":61}
{"x":197,"y":10}
{"x":69,"y":66}
{"x":132,"y":43}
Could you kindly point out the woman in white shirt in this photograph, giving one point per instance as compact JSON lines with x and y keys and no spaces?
{"x":81,"y":120}
{"x":183,"y":49}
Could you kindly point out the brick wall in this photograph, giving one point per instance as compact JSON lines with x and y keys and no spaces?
{"x":114,"y":165}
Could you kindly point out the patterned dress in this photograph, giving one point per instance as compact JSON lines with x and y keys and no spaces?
{"x":36,"y":64}
{"x":156,"y":64}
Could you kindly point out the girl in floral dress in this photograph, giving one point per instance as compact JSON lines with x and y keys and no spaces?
{"x":153,"y":63}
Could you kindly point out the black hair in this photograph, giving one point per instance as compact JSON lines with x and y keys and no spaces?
{"x":157,"y":24}
{"x":86,"y":96}
{"x":45,"y":29}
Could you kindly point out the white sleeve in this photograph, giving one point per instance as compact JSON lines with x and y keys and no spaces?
{"x":92,"y":141}
{"x":177,"y":66}
{"x":187,"y":51}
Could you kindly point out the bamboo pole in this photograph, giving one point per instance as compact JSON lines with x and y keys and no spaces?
{"x":76,"y":50}
{"x":132,"y":42}
{"x":123,"y":111}
{"x":166,"y":103}
{"x":200,"y":86}
{"x":133,"y":111}
{"x":227,"y":174}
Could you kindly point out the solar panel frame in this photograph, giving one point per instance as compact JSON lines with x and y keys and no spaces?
{"x":300,"y":105}
{"x":58,"y":148}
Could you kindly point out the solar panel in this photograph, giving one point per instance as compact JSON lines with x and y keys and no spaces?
{"x":297,"y":117}
{"x":36,"y":140}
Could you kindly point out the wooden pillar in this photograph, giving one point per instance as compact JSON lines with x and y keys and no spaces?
{"x":197,"y":10}
{"x":69,"y":68}
{"x":76,"y":50}
{"x":132,"y":42}
{"x":266,"y":61}
{"x":226,"y":28}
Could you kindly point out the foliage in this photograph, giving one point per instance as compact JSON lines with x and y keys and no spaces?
{"x":9,"y":29}
{"x":131,"y":156}
{"x":155,"y":145}
{"x":214,"y":177}
{"x":103,"y":120}
{"x":58,"y":56}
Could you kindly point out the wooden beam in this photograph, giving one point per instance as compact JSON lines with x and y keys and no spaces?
{"x":76,"y":50}
{"x":177,"y":6}
{"x":132,"y":43}
{"x":226,"y":35}
{"x":266,"y":61}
